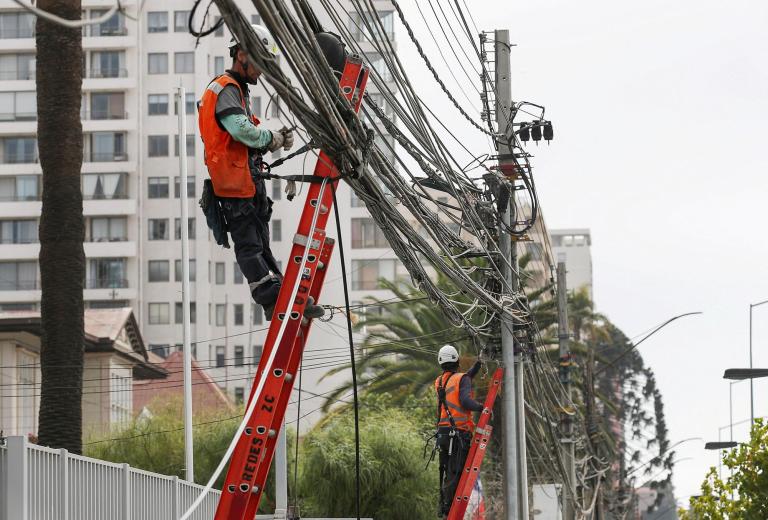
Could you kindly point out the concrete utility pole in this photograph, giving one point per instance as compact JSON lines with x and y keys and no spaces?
{"x":563,"y":334}
{"x":512,"y":481}
{"x":185,"y":307}
{"x":281,"y":476}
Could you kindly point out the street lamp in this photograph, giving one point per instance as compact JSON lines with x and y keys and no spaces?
{"x":739,"y":374}
{"x":751,"y":385}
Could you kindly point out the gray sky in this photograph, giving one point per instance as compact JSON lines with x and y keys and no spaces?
{"x":659,"y":112}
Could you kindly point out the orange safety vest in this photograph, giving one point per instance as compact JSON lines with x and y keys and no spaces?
{"x":461,"y":417}
{"x":226,"y":158}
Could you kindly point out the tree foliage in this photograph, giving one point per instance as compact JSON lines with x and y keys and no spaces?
{"x":744,"y":494}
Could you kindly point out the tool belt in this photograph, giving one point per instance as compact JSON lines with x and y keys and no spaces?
{"x":214,"y":214}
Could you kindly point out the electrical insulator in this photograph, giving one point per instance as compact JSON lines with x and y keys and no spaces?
{"x":525,"y":133}
{"x":536,"y":133}
{"x":548,"y":131}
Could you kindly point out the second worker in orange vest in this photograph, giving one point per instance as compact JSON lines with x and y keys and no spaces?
{"x":234,"y":145}
{"x":455,"y":427}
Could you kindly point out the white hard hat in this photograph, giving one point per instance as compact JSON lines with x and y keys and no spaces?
{"x":264,"y":35}
{"x":448,"y":354}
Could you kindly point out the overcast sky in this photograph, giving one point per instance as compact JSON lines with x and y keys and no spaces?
{"x":660,"y":113}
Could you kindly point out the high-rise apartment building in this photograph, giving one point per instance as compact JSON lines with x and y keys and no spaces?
{"x":132,"y":193}
{"x":573,"y":246}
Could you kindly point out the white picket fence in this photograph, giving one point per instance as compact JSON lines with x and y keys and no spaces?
{"x":38,"y":483}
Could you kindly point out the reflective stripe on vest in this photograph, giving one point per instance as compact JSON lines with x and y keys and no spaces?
{"x":226,"y":158}
{"x":461,"y":416}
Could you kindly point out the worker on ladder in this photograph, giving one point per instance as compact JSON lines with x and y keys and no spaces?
{"x":235,"y":198}
{"x":455,"y":426}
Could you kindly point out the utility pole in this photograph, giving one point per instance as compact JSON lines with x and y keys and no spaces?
{"x":281,"y":476}
{"x":185,"y":307}
{"x":566,"y":421}
{"x":512,"y":481}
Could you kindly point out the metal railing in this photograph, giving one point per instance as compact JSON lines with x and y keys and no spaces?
{"x":105,"y":157}
{"x":17,"y":75}
{"x":106,"y":283}
{"x":18,"y":116}
{"x":100,"y":115}
{"x":13,"y":33}
{"x":104,"y":73}
{"x":38,"y":483}
{"x":19,"y":285}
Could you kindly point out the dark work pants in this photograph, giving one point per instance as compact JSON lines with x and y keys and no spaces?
{"x":249,"y":229}
{"x":451,"y":465}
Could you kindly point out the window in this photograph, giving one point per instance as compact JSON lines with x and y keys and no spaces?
{"x":17,"y":25}
{"x":358,"y":25}
{"x":277,"y":230}
{"x":184,"y":62}
{"x":221,"y":314}
{"x":159,"y":314}
{"x":190,"y":228}
{"x":275,"y":102}
{"x":107,"y":64}
{"x":108,"y":229}
{"x":104,"y":186}
{"x":178,"y":312}
{"x":180,"y":21}
{"x":257,"y":350}
{"x":18,"y":106}
{"x":189,"y":105}
{"x":107,"y":273}
{"x":19,"y":187}
{"x":237,"y":273}
{"x":17,"y":66}
{"x":277,"y":192}
{"x":157,"y":187}
{"x":157,"y":21}
{"x":218,"y":65}
{"x":158,"y":229}
{"x":238,"y":308}
{"x":158,"y":62}
{"x":366,"y":273}
{"x":239,"y":355}
{"x":18,"y":150}
{"x":18,"y":231}
{"x":18,"y":276}
{"x":239,"y":394}
{"x":220,"y":27}
{"x":256,"y":106}
{"x":379,"y":64}
{"x":190,"y":187}
{"x":177,"y":270}
{"x":107,"y":147}
{"x":190,"y":145}
{"x":161,"y":350}
{"x":158,"y":146}
{"x":257,"y":314}
{"x":107,"y":105}
{"x":366,"y":234}
{"x":120,"y":397}
{"x":159,"y":271}
{"x":114,"y":26}
{"x":158,"y":104}
{"x":220,"y":272}
{"x":220,"y":356}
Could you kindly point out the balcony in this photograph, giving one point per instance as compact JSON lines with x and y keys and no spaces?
{"x":17,"y":75}
{"x":17,"y":116}
{"x":105,"y":157}
{"x":20,"y":158}
{"x":99,"y":115}
{"x":102,"y":73}
{"x":105,"y":283}
{"x":19,"y":285}
{"x":19,"y":198}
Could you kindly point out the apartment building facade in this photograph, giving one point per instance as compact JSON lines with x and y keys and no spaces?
{"x":132,"y":194}
{"x":574,"y":247}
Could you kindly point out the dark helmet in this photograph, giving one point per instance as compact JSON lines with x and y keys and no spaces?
{"x":334,"y":50}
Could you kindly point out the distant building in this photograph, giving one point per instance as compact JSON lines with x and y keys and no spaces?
{"x":573,"y":246}
{"x":206,"y":394}
{"x":114,"y":356}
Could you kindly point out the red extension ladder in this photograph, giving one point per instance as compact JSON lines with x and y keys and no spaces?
{"x":253,"y":453}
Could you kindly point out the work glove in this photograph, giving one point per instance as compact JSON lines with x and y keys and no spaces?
{"x":281,"y":139}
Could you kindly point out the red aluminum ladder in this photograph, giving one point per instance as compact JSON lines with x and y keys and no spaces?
{"x":476,"y":452}
{"x":252,"y":457}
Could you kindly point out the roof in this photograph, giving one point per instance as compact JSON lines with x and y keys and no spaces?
{"x":106,"y":330}
{"x":205,"y":392}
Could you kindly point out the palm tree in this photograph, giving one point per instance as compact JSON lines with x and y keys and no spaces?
{"x":62,"y":259}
